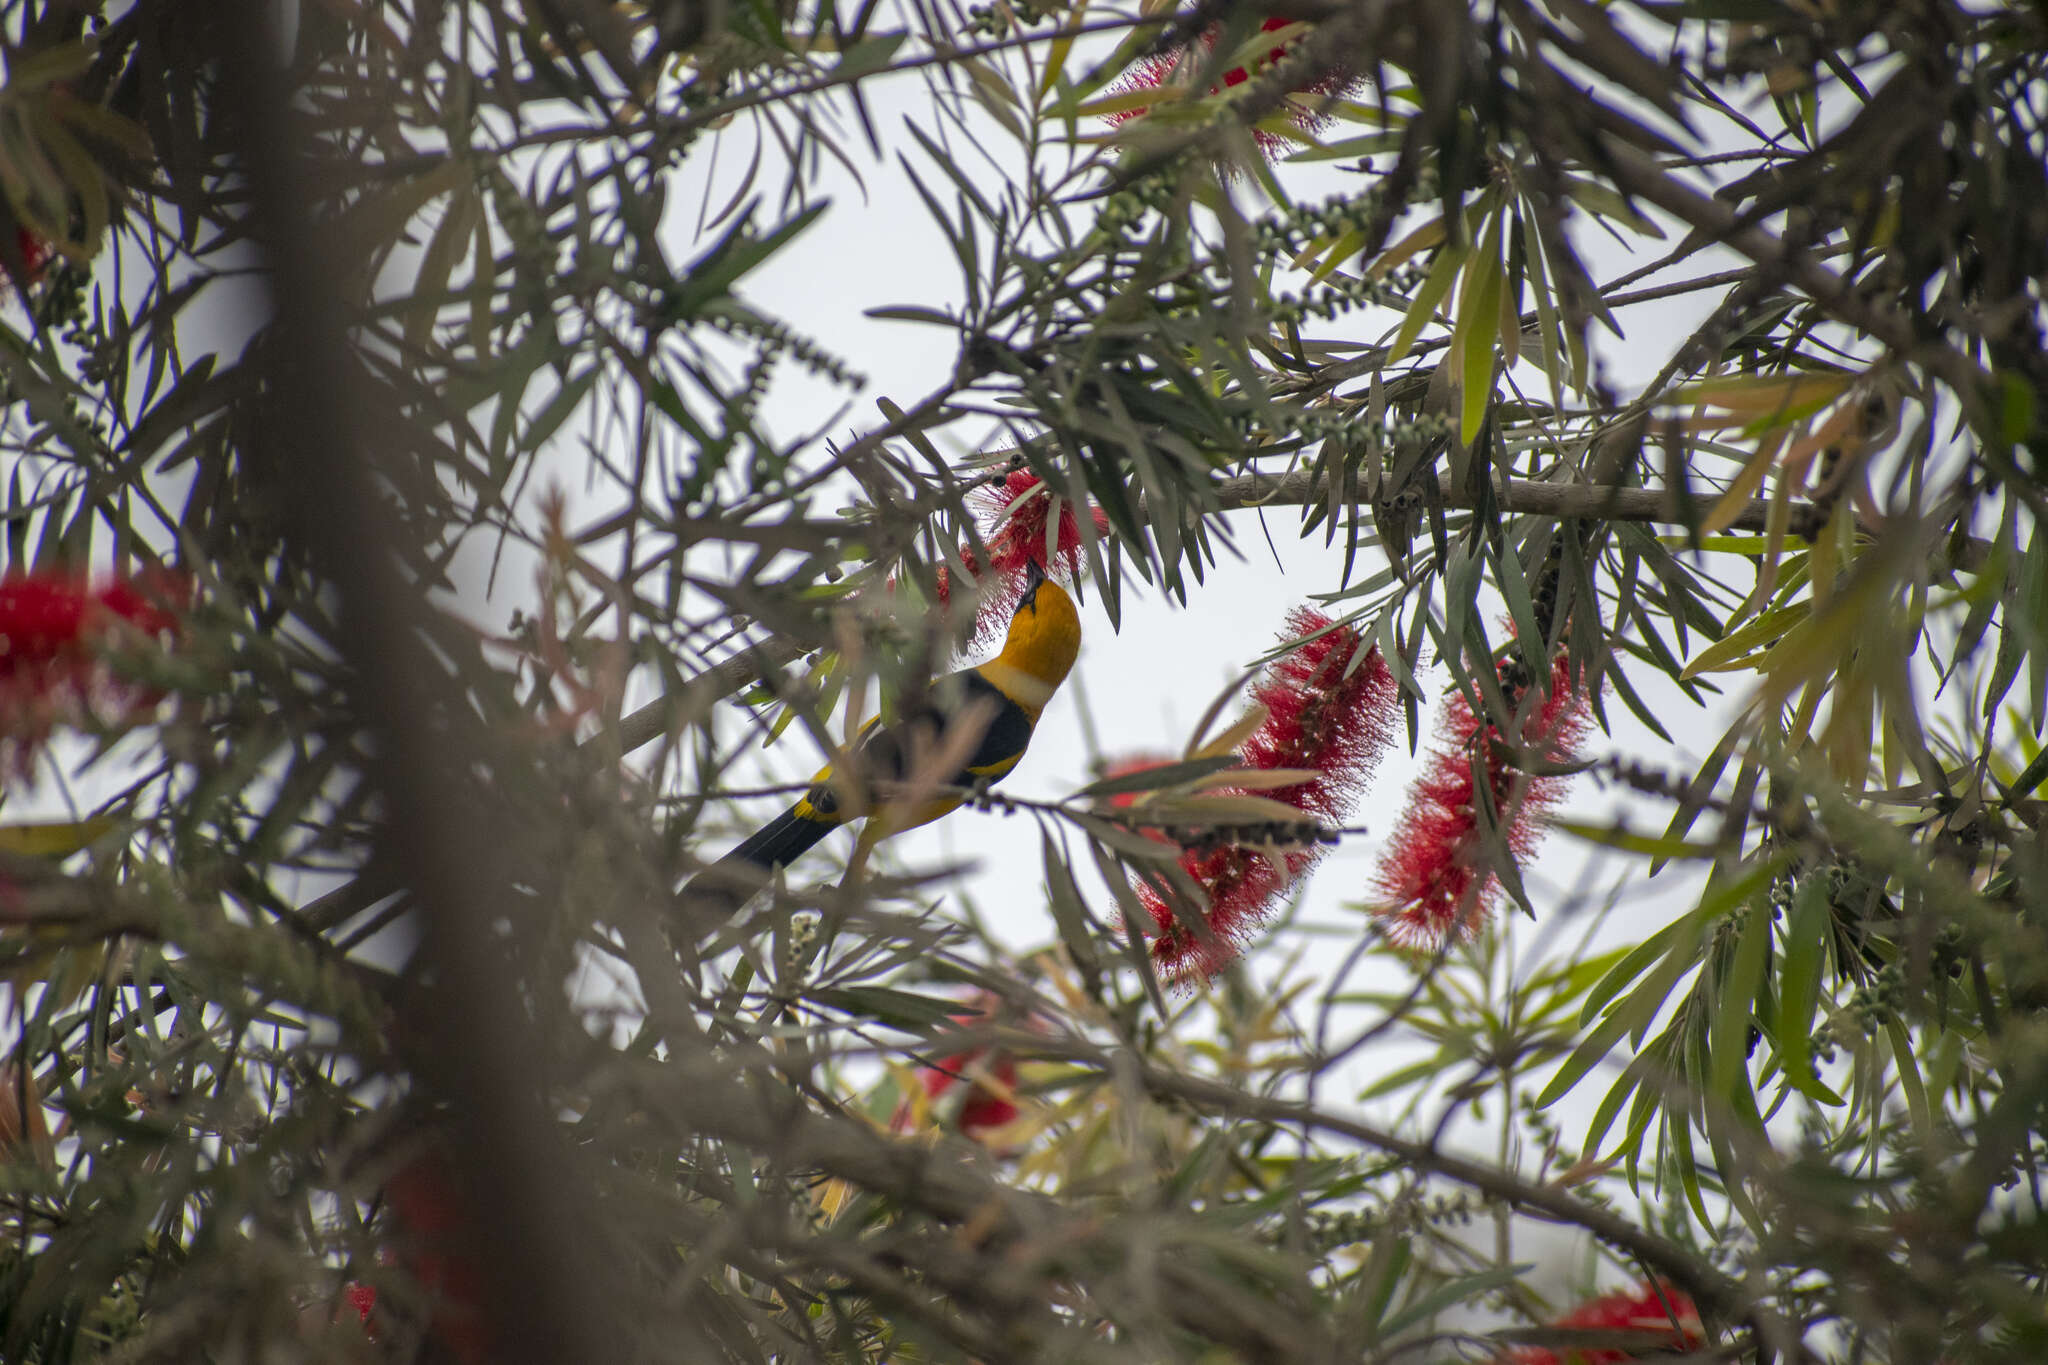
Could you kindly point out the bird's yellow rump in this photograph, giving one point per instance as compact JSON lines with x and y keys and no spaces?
{"x":973,"y":728}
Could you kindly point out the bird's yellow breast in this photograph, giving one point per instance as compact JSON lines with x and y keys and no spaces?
{"x":1040,"y":649}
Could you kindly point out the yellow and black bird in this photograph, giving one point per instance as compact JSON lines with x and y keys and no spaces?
{"x":982,"y":717}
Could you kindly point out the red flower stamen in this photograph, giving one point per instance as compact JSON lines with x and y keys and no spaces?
{"x":989,"y":1104}
{"x":1014,"y":515}
{"x":57,"y":634}
{"x":1320,"y":714}
{"x":436,"y":1249}
{"x":1434,"y":879}
{"x":362,"y":1298}
{"x":1154,"y":73}
{"x":35,"y":257}
{"x":1126,"y":767}
{"x":1666,"y":1317}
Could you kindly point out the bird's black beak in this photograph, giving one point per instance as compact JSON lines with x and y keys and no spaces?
{"x":1034,"y":576}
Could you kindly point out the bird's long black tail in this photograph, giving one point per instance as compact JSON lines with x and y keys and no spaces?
{"x":717,"y":893}
{"x":779,"y":842}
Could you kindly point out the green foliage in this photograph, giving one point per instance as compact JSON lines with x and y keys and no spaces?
{"x":466,"y":292}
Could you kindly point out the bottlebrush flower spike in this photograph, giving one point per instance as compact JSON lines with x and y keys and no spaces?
{"x":1318,"y":716}
{"x":357,"y":1308}
{"x":990,"y":1102}
{"x":1162,"y":71}
{"x":1127,"y":767}
{"x":1015,"y":516}
{"x":1666,"y":1317}
{"x":362,"y":1298}
{"x":57,"y":632}
{"x":435,"y":1248}
{"x":33,"y":255}
{"x":1434,"y":879}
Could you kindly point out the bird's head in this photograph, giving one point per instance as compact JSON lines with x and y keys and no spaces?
{"x":1045,"y":631}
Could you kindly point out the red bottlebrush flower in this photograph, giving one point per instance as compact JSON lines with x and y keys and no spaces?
{"x":358,"y":1304}
{"x":34,"y":255}
{"x":1022,"y":533}
{"x":1156,"y":73}
{"x":435,"y":1250}
{"x":1434,"y":879}
{"x":57,"y":632}
{"x":1242,"y":885}
{"x":1320,"y":714}
{"x":362,"y":1298}
{"x":1126,"y":767}
{"x":990,"y":1101}
{"x":1666,"y":1317}
{"x":1015,"y":515}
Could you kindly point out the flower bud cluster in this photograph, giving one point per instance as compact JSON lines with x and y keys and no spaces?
{"x":776,"y":338}
{"x":1339,"y":294}
{"x":1328,"y":1231}
{"x":1870,"y":1007}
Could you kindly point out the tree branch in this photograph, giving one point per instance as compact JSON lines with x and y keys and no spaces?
{"x":442,"y":829}
{"x":1521,"y":497}
{"x":1636,"y":173}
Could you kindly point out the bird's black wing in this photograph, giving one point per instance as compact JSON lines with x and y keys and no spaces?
{"x":887,"y":752}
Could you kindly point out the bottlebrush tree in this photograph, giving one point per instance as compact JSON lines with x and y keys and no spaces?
{"x":1540,"y":858}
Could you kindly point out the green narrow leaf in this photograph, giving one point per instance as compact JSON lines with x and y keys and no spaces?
{"x":1165,"y":775}
{"x":1530,"y":642}
{"x":1136,"y":951}
{"x":1477,"y":327}
{"x":711,"y":276}
{"x":1617,"y":1095}
{"x":1735,"y":1009}
{"x":1630,"y":1015}
{"x":1909,"y":1080}
{"x":1443,"y":272}
{"x":1678,"y":1151}
{"x":1070,"y":914}
{"x":1648,"y":845}
{"x":1452,"y":1294}
{"x":444,"y":252}
{"x":898,"y":1009}
{"x":870,"y":54}
{"x":559,"y":408}
{"x":1805,"y":937}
